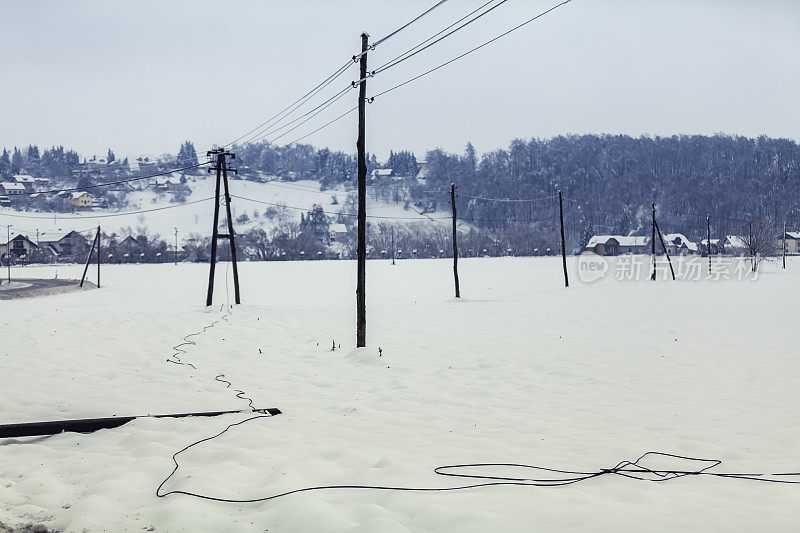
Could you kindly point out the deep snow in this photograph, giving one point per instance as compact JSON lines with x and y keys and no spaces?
{"x":520,"y":370}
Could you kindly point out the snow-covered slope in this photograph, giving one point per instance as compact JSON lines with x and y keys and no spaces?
{"x":519,"y":371}
{"x":196,"y":216}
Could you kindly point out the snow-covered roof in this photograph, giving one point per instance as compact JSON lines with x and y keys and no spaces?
{"x":704,"y":242}
{"x":24,"y":178}
{"x":680,"y":239}
{"x":382,"y":172}
{"x":623,"y":240}
{"x":79,"y":194}
{"x":12,"y":186}
{"x":735,"y":241}
{"x":339,"y":228}
{"x":793,"y":234}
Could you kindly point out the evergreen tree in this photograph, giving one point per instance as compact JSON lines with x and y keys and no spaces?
{"x":16,"y":161}
{"x":5,"y":163}
{"x":187,"y":156}
{"x":110,"y":157}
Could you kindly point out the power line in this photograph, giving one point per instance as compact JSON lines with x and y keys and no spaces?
{"x":323,"y":126}
{"x":404,"y":26}
{"x":108,"y":215}
{"x":333,"y":213}
{"x":507,"y":199}
{"x":294,"y":105}
{"x":110,"y":183}
{"x":416,"y":50}
{"x":543,"y":13}
{"x":307,"y":116}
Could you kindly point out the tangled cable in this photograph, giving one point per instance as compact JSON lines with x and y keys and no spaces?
{"x":630,"y":469}
{"x":175,"y":358}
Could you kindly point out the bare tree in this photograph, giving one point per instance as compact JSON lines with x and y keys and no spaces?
{"x":760,"y":242}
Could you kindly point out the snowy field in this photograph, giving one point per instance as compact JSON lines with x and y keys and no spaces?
{"x":521,"y":370}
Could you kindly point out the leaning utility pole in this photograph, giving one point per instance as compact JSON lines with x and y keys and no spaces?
{"x":455,"y":243}
{"x":563,"y":246}
{"x":361,"y":253}
{"x":222,"y":169}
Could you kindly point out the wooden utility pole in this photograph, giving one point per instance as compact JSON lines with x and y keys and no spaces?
{"x":653,"y":244}
{"x":98,"y":256}
{"x":392,"y":244}
{"x":708,"y":241}
{"x":175,"y":256}
{"x":563,"y":246}
{"x":666,"y":252}
{"x":95,"y":242}
{"x":222,"y":169}
{"x":783,"y":240}
{"x":361,"y":253}
{"x":455,"y":239}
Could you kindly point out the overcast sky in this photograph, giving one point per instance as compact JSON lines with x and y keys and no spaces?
{"x":141,"y":76}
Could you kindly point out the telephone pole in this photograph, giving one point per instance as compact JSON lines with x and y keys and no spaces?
{"x":563,"y":246}
{"x":653,"y":244}
{"x":708,"y":241}
{"x":455,"y":243}
{"x":361,"y":259}
{"x":783,"y":240}
{"x":222,"y":169}
{"x":176,"y":245}
{"x":392,"y":244}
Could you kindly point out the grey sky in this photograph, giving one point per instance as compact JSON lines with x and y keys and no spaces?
{"x":141,"y":76}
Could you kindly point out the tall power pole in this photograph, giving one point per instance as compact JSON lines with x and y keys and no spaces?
{"x":563,"y":245}
{"x":708,"y":241}
{"x":455,"y":242}
{"x":653,"y":244}
{"x":783,"y":240}
{"x":176,"y":245}
{"x":222,"y":169}
{"x":361,"y":254}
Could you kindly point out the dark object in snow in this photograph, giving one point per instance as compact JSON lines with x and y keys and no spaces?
{"x":87,"y":425}
{"x":380,"y":352}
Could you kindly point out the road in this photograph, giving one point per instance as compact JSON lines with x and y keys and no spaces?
{"x":27,"y":288}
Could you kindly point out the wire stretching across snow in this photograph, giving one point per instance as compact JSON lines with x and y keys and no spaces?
{"x":629,"y":469}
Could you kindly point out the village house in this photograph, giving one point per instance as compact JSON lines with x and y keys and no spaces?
{"x":704,"y":249}
{"x":422,"y":173}
{"x":791,"y":239}
{"x":73,"y":245}
{"x":80,"y":199}
{"x":338,"y":232}
{"x":19,"y":246}
{"x":10,"y":188}
{"x":618,"y":244}
{"x":678,"y":244}
{"x":381,"y":173}
{"x":29,"y":182}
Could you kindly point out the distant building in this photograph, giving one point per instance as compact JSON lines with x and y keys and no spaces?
{"x":792,"y":240}
{"x":422,"y":172}
{"x":715,"y":247}
{"x":20,"y":246}
{"x":8,"y":187}
{"x":734,"y":245}
{"x":81,"y":200}
{"x":678,"y":244}
{"x":71,"y":245}
{"x":338,"y":232}
{"x":618,"y":244}
{"x":29,"y":182}
{"x":381,"y":173}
